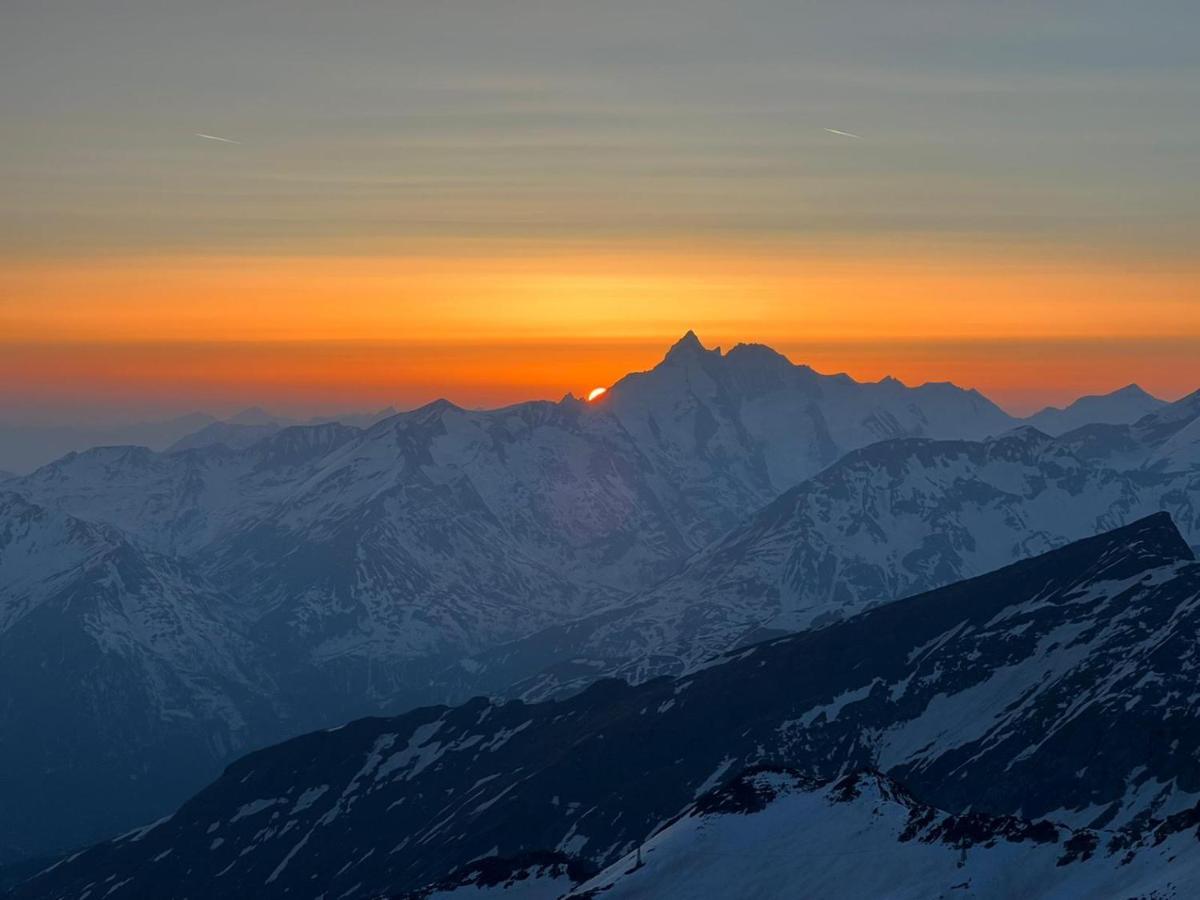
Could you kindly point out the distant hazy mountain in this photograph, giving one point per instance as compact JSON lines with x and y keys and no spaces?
{"x":25,"y":447}
{"x":227,"y":434}
{"x":256,"y":415}
{"x":1058,"y":692}
{"x":1121,"y":407}
{"x":252,"y":425}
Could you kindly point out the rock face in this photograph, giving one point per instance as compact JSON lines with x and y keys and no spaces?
{"x":1061,"y":688}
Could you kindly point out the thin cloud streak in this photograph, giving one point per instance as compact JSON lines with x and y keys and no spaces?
{"x":213,"y":137}
{"x":843,"y":133}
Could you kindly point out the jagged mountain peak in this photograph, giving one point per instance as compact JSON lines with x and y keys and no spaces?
{"x":689,"y":347}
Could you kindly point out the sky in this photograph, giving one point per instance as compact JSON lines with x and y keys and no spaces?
{"x":498,"y":200}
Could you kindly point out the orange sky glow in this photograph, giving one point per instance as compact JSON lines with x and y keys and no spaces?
{"x":495,"y":202}
{"x":324,"y":333}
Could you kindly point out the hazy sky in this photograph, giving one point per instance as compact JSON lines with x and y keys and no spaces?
{"x":516,"y":176}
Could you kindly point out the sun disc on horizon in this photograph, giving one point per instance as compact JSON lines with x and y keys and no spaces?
{"x":596,"y":392}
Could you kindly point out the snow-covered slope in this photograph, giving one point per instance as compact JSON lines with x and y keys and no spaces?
{"x":773,"y":834}
{"x":539,"y":875}
{"x":1121,"y":407}
{"x":1156,"y":441}
{"x":1059,"y":688}
{"x":887,"y":521}
{"x":1180,"y":452}
{"x":112,"y":658}
{"x":233,"y":435}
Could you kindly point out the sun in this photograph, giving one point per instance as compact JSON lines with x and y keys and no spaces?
{"x":596,"y":392}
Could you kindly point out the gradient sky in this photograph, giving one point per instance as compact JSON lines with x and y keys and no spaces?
{"x":514,"y":198}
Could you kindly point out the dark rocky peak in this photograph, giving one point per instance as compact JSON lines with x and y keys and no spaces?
{"x":688,"y":348}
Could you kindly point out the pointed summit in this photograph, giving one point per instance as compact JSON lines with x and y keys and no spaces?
{"x":1134,"y":390}
{"x":688,"y":347}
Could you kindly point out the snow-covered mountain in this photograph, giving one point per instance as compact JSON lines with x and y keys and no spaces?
{"x":348,"y":540}
{"x":1156,"y":441}
{"x":701,"y":416}
{"x":1121,"y":407}
{"x":439,"y":552}
{"x":362,"y":563}
{"x":887,"y":521}
{"x":112,"y":658}
{"x":1061,"y":688}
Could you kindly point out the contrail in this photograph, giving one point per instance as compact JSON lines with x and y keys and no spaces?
{"x":213,"y":137}
{"x":843,"y":133}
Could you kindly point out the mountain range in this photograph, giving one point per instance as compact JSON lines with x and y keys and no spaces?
{"x":361,"y":563}
{"x":324,"y":572}
{"x":887,"y":521}
{"x":25,"y":447}
{"x":1028,"y":732}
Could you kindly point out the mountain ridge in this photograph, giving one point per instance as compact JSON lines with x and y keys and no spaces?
{"x":1124,"y":406}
